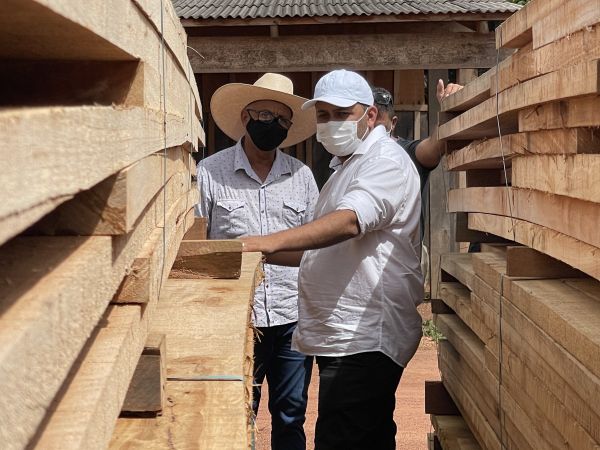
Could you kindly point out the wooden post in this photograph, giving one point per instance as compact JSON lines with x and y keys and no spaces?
{"x":440,"y":237}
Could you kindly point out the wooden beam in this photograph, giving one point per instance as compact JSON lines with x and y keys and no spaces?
{"x":555,"y":212}
{"x":209,"y":365}
{"x":101,"y":376}
{"x":48,"y":324}
{"x":464,"y":234}
{"x":198,"y":230}
{"x":565,"y":19}
{"x":579,"y":175}
{"x":438,"y":401}
{"x":474,"y":92}
{"x":357,"y":52}
{"x":527,"y":262}
{"x":439,"y":307}
{"x":577,"y":254}
{"x":577,"y":80}
{"x":110,"y":140}
{"x":113,"y":206}
{"x":143,"y":281}
{"x":515,"y":32}
{"x":146,"y":393}
{"x":320,"y":20}
{"x":569,"y":113}
{"x":453,"y":433}
{"x":208,"y":259}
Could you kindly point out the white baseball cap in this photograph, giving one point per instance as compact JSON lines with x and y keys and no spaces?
{"x":341,"y":88}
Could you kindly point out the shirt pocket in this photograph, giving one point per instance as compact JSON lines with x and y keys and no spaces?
{"x":231,"y":218}
{"x":293,"y":213}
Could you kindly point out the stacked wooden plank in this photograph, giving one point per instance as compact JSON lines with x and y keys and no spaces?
{"x":100,"y":112}
{"x":521,"y":355}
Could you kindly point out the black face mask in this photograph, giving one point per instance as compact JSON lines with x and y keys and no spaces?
{"x":266,"y":135}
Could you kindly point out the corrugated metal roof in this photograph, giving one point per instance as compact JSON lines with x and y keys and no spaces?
{"x":246,"y":9}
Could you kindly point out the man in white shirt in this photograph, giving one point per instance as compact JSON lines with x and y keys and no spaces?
{"x":255,"y":188}
{"x":360,"y":279}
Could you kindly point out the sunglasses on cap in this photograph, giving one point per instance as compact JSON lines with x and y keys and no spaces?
{"x":382,"y":98}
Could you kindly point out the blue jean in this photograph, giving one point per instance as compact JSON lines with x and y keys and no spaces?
{"x":288,"y":376}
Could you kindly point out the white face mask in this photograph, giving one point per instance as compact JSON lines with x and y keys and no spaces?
{"x":340,"y":138}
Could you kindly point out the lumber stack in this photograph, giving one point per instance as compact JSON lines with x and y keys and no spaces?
{"x":521,"y":320}
{"x":100,"y":113}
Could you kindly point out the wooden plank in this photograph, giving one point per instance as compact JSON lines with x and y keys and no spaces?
{"x":409,"y":88}
{"x":515,"y":32}
{"x":197,"y":231}
{"x":110,"y":139}
{"x":485,"y":396}
{"x":84,"y":414}
{"x":488,"y":154}
{"x":473,"y":93}
{"x":189,"y":319}
{"x":224,"y":54}
{"x":457,"y":297}
{"x":47,"y":323}
{"x":565,"y":19}
{"x":579,"y":175}
{"x":101,"y":377}
{"x":554,"y":425}
{"x":208,"y":259}
{"x":518,"y":67}
{"x":575,"y":47}
{"x":577,"y":254}
{"x":144,"y":279}
{"x":581,"y":381}
{"x":470,"y":411}
{"x":438,"y":401}
{"x":527,"y":262}
{"x":538,"y":310}
{"x":569,"y":216}
{"x":460,"y":266}
{"x":202,"y":415}
{"x":569,"y":113}
{"x":114,"y":205}
{"x":561,"y":308}
{"x":146,"y":391}
{"x":453,"y":433}
{"x":204,"y":412}
{"x":464,"y":234}
{"x":439,"y":307}
{"x":577,"y":80}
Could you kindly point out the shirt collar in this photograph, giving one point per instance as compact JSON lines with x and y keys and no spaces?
{"x":281,"y":165}
{"x":377,"y":133}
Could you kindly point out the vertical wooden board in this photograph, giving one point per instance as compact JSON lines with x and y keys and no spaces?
{"x":409,"y":87}
{"x":146,"y":390}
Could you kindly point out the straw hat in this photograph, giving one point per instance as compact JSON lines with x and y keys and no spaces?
{"x":229,"y":100}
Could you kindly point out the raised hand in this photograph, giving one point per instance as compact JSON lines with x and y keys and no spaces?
{"x":443,"y":92}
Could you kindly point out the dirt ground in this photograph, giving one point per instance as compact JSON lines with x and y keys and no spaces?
{"x":413,"y":424}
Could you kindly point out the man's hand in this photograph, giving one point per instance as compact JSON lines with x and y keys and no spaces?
{"x":442,"y":92}
{"x":257,"y":244}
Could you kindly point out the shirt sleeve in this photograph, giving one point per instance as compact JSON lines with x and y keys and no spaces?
{"x":377,"y":193}
{"x":204,"y":207}
{"x":312,"y":194}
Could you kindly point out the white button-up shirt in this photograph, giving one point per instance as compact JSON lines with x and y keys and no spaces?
{"x":237,"y":203}
{"x":361,"y":295}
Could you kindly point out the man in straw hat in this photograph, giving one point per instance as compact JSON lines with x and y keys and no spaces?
{"x":254,"y":188}
{"x":360,"y":279}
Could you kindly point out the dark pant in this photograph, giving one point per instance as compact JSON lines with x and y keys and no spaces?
{"x":357,"y":397}
{"x":288,"y":375}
